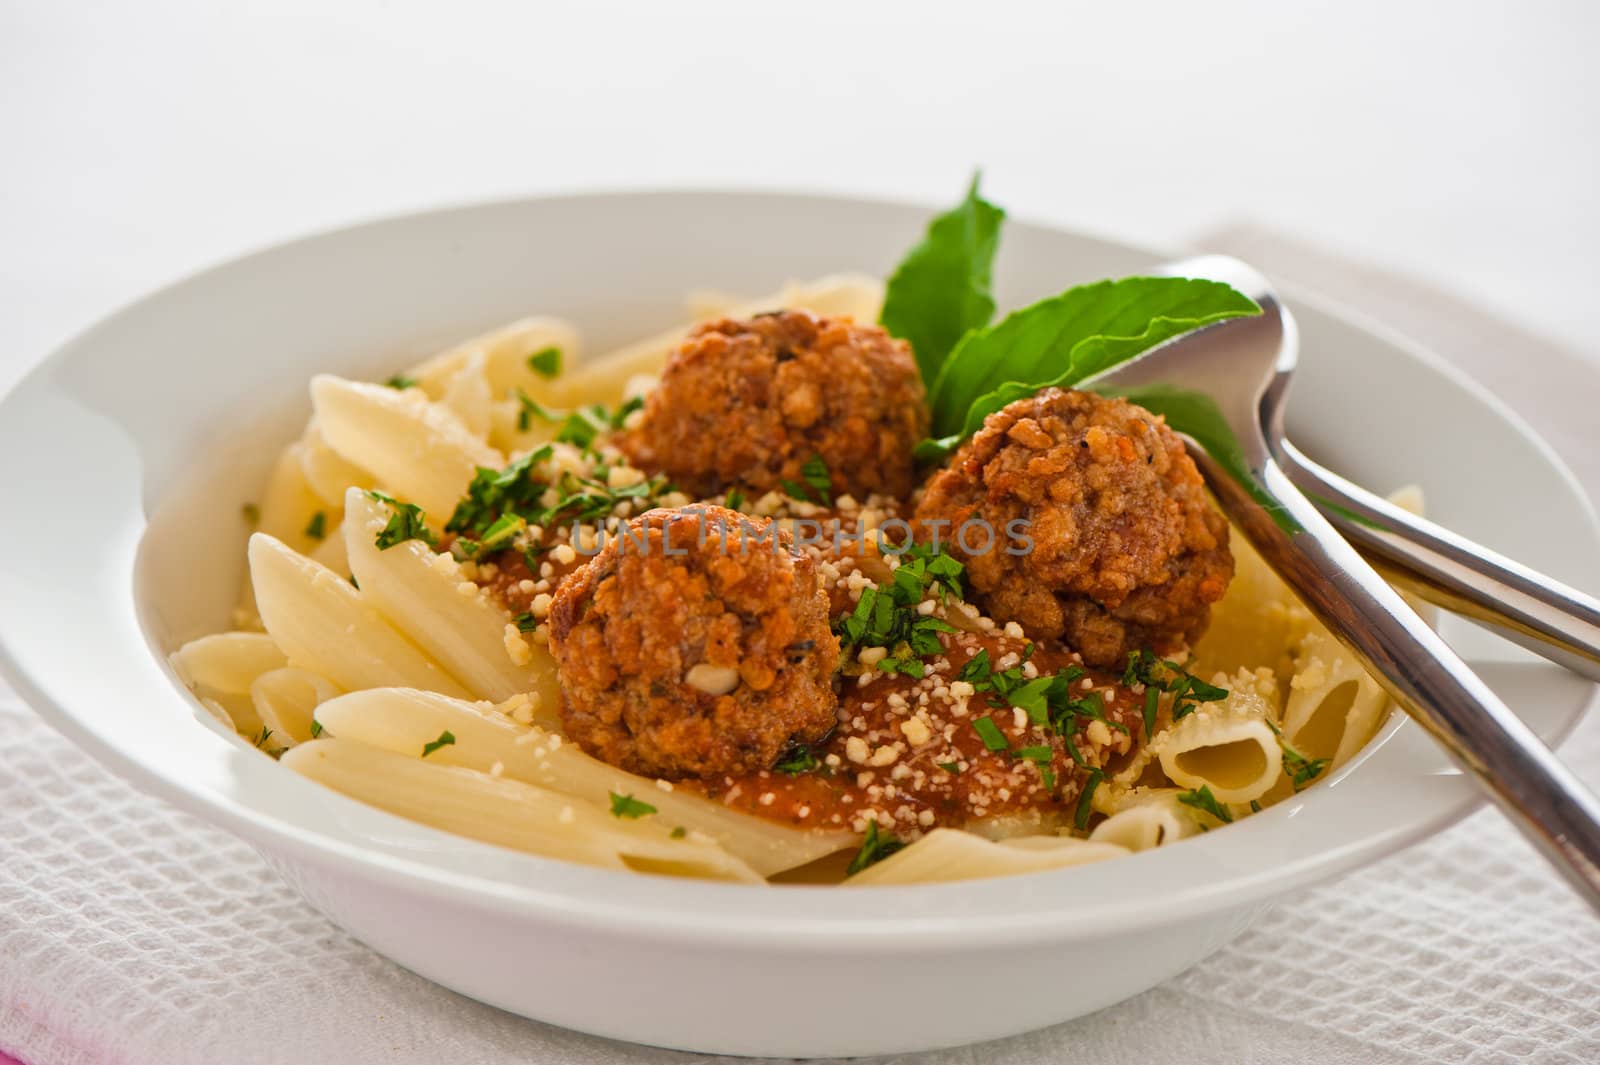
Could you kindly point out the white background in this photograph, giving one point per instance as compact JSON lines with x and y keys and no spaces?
{"x":1456,"y":141}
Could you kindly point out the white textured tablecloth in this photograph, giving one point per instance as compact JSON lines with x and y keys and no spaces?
{"x":132,"y":933}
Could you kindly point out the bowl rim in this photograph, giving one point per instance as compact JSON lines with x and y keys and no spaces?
{"x":614,"y":901}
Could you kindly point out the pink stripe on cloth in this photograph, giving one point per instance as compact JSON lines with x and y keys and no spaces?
{"x":7,"y":1059}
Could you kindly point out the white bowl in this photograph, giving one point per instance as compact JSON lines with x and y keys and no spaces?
{"x":130,"y":451}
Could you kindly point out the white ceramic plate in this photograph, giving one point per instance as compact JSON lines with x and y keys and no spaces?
{"x":129,"y":452}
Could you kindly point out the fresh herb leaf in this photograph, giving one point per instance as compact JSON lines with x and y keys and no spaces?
{"x":446,"y":738}
{"x":874,"y":849}
{"x":1187,"y":690}
{"x":990,"y":734}
{"x":402,"y":382}
{"x":800,"y":760}
{"x":317,"y":527}
{"x":546,"y":362}
{"x":735,"y":500}
{"x":629,"y":807}
{"x":529,"y":408}
{"x":1070,"y":338}
{"x":815,"y":473}
{"x":316,"y":728}
{"x":1152,"y":704}
{"x":262,"y":737}
{"x":406,"y":522}
{"x":1297,"y":767}
{"x":1080,"y":817}
{"x":1202,"y":799}
{"x":1255,"y":806}
{"x":942,"y":288}
{"x":953,"y":768}
{"x":526,"y":622}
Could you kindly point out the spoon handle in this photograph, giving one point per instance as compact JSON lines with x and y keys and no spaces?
{"x":1448,"y":570}
{"x":1429,"y":681}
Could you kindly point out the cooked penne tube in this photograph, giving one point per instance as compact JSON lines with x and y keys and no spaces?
{"x":330,"y":550}
{"x":503,"y":354}
{"x":510,"y":813}
{"x":285,"y":699}
{"x":469,"y":397}
{"x":418,"y":450}
{"x":227,"y":661}
{"x":948,"y":854}
{"x":424,"y":596}
{"x":1228,"y":747}
{"x":323,"y":624}
{"x":1146,"y":822}
{"x":1334,"y":705}
{"x":289,"y":504}
{"x":405,"y":720}
{"x":327,"y":472}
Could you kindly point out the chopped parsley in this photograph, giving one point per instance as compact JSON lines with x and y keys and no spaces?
{"x":262,"y":737}
{"x":815,"y":484}
{"x":500,"y":504}
{"x":735,"y":500}
{"x":526,"y":622}
{"x":316,"y":728}
{"x":1202,"y":799}
{"x":887,"y":616}
{"x":528,"y":409}
{"x":629,"y":807}
{"x":406,"y":522}
{"x":546,"y":362}
{"x":953,"y":768}
{"x":1187,"y":690}
{"x":874,"y":849}
{"x":1080,"y":817}
{"x":800,"y":760}
{"x":446,"y":739}
{"x":317,"y":527}
{"x":402,"y":382}
{"x":251,"y":514}
{"x":679,"y":832}
{"x":1300,"y":770}
{"x":990,"y":734}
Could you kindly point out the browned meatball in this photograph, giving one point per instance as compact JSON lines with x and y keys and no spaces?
{"x":1127,"y":550}
{"x":747,"y":403}
{"x":690,"y":647}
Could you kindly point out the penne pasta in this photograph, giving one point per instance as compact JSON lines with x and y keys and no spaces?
{"x":328,"y":473}
{"x":323,"y":624}
{"x":1334,"y":706}
{"x":288,"y":504}
{"x":418,"y":450}
{"x":1229,"y":747}
{"x":227,"y":661}
{"x":1146,"y":821}
{"x":405,"y":721}
{"x":284,"y":700}
{"x":425,"y":597}
{"x":503,"y":355}
{"x":948,"y":854}
{"x":509,"y":813}
{"x":469,"y":397}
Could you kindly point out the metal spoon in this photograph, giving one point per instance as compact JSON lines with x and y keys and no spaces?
{"x":1228,"y":382}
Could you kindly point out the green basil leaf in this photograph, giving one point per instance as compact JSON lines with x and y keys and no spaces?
{"x":942,"y":288}
{"x":1068,"y":338}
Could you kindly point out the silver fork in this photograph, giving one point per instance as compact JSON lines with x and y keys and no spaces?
{"x":1229,"y":382}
